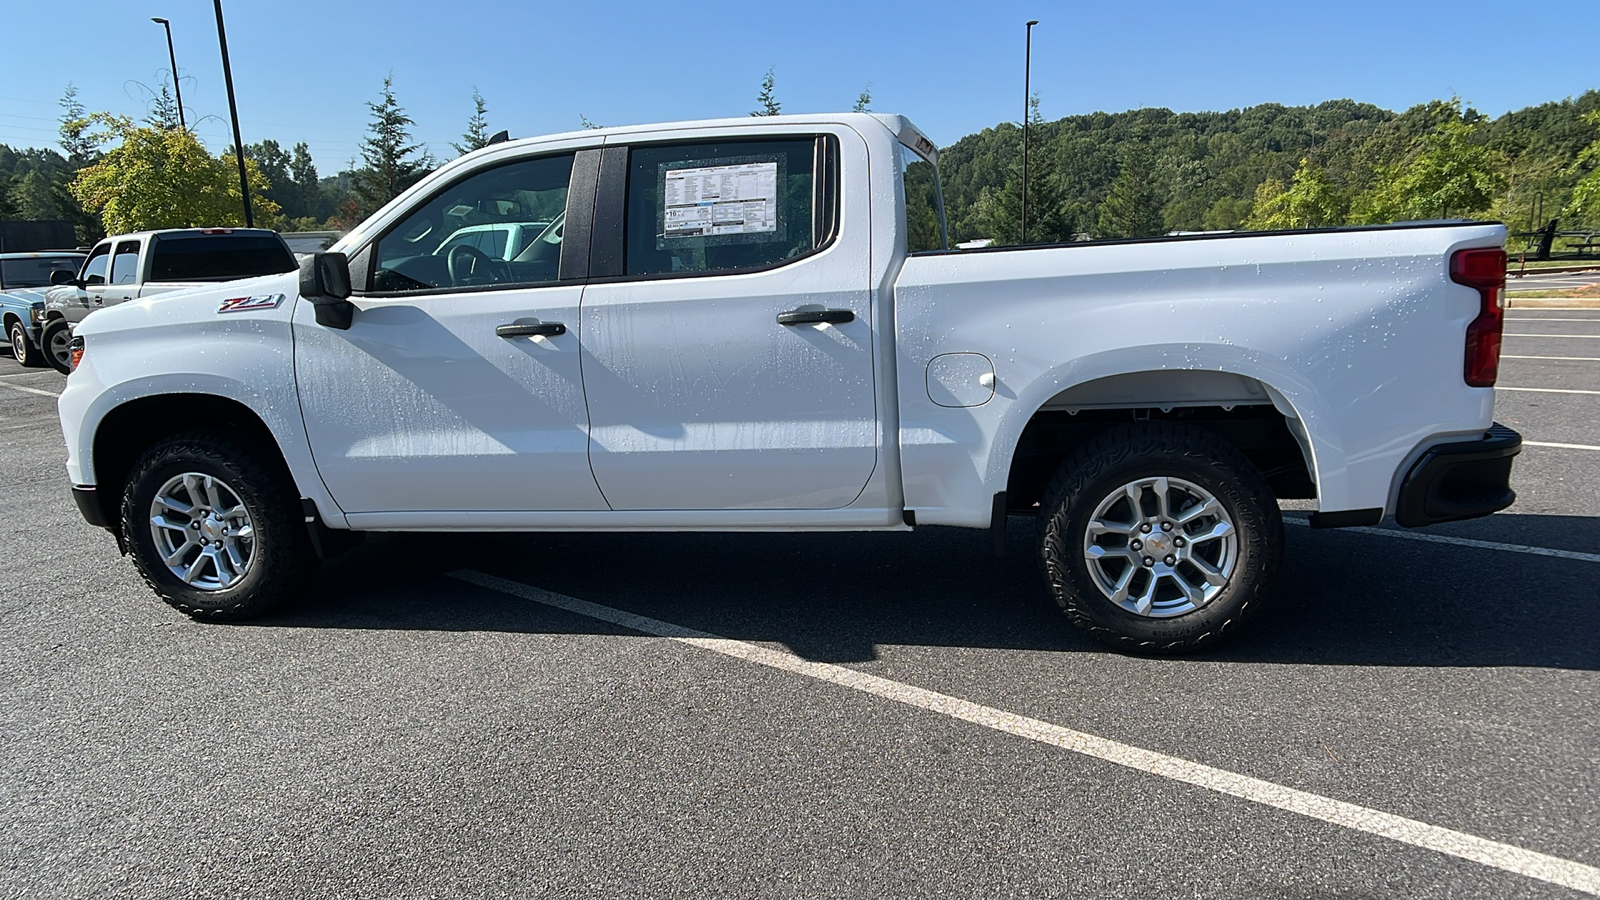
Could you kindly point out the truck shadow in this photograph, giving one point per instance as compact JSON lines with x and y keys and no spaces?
{"x":1345,"y":598}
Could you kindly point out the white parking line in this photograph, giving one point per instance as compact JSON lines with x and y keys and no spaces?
{"x":1545,"y":390}
{"x":1505,"y":857}
{"x":1546,"y":319}
{"x":28,"y":390}
{"x":1560,"y":446}
{"x":1572,"y":358}
{"x":1576,"y":337}
{"x":1463,"y":542}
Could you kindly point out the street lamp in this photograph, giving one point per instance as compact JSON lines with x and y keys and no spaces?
{"x":1027,"y":106}
{"x":174,"y":57}
{"x":233,"y":110}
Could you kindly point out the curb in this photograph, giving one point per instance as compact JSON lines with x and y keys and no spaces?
{"x":1553,"y":302}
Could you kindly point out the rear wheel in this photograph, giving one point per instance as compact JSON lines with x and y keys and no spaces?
{"x":1159,"y":538}
{"x":216,"y":531}
{"x":55,"y":341}
{"x":23,"y":349}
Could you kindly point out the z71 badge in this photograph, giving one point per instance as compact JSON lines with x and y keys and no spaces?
{"x":247,"y":304}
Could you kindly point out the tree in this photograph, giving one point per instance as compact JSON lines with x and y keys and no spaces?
{"x":80,"y":146}
{"x":1584,"y":207}
{"x":10,"y":206}
{"x":1446,"y":172}
{"x":588,"y":125}
{"x":274,"y":165}
{"x":163,"y":109}
{"x":307,"y":188}
{"x":864,"y":101}
{"x":165,"y":179}
{"x":476,"y":137}
{"x":1131,"y":208}
{"x":1309,"y":201}
{"x":767,"y":99}
{"x":390,"y":162}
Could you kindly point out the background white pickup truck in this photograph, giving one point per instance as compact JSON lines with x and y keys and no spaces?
{"x":756,"y":325}
{"x":130,"y":266}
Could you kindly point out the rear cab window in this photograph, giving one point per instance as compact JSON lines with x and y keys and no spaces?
{"x":218,"y":257}
{"x":924,"y":203}
{"x":724,"y":206}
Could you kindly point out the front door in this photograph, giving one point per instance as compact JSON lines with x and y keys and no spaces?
{"x":727,"y":354}
{"x":457,"y":385}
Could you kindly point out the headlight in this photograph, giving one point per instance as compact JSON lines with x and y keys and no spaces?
{"x":37,"y":314}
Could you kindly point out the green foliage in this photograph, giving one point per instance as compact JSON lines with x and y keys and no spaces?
{"x":80,"y":146}
{"x":476,"y":137}
{"x":1132,"y":207}
{"x":1309,"y":201}
{"x":864,"y":100}
{"x":163,"y":109}
{"x":1584,"y":207}
{"x":767,"y":100}
{"x":390,"y":162}
{"x":1446,"y":172}
{"x":157,"y":178}
{"x":588,"y":125}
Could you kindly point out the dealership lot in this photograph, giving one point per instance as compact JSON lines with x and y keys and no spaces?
{"x":442,"y":715}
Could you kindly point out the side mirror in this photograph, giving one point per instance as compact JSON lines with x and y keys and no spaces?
{"x":62,"y":276}
{"x":325,"y":281}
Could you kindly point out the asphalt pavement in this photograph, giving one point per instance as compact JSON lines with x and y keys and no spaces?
{"x":850,"y":715}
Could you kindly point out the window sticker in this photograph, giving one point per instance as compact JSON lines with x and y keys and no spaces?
{"x":734,"y":202}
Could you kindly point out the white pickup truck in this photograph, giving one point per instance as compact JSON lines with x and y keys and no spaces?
{"x":757,"y":325}
{"x":130,"y":266}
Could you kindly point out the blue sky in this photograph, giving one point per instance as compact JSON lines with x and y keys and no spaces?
{"x":304,"y":70}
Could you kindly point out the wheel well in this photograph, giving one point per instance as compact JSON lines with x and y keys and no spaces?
{"x":6,"y":321}
{"x":1261,"y":432}
{"x":129,"y":430}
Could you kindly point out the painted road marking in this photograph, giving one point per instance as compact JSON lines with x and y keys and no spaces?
{"x":1546,"y":319}
{"x":1546,"y":390}
{"x":1560,"y":446}
{"x":1505,"y":857}
{"x":1572,"y":358}
{"x":29,"y":390}
{"x":1576,"y":337}
{"x":1464,"y":542}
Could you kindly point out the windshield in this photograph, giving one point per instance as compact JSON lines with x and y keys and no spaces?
{"x":35,"y":271}
{"x":925,"y":226}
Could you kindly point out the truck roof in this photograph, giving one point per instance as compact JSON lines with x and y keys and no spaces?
{"x":197,"y":231}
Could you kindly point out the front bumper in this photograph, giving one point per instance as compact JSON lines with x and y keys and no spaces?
{"x":1462,"y":480}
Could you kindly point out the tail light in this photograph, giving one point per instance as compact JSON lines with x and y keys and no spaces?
{"x":1484,"y":270}
{"x":75,"y":349}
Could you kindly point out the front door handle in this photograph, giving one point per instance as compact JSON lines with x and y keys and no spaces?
{"x":816,"y":317}
{"x":546,"y":329}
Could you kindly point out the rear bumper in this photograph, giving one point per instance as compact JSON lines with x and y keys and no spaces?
{"x":1462,"y":480}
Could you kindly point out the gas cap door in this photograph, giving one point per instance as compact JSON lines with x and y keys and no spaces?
{"x":960,"y":379}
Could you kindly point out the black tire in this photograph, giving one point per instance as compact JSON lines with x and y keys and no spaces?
{"x":23,"y":349}
{"x":52,"y":342}
{"x":1122,"y":456}
{"x":281,"y":555}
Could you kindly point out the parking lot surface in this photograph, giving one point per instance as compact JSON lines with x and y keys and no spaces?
{"x":814,"y":715}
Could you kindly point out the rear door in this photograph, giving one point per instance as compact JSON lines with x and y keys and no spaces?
{"x":123,"y":283}
{"x":727,"y":326}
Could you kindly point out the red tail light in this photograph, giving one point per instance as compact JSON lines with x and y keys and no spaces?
{"x":1485,"y":270}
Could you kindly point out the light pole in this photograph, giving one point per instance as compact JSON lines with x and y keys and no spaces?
{"x":233,"y":110}
{"x":174,"y":57}
{"x":1027,"y":107}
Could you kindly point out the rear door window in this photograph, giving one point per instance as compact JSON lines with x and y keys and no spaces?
{"x":219,"y":257}
{"x":721,"y":207}
{"x":125,"y":263}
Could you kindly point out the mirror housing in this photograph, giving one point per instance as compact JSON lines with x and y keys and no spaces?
{"x":59,"y":277}
{"x":325,"y":282}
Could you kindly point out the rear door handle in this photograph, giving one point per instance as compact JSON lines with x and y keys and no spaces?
{"x":816,"y":317}
{"x":547,"y":329}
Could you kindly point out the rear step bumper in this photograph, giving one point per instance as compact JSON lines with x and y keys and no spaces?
{"x":1462,"y":480}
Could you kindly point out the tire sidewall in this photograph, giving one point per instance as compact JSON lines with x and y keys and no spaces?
{"x":1257,"y":525}
{"x":251,"y":593}
{"x":47,"y":337}
{"x":18,"y":336}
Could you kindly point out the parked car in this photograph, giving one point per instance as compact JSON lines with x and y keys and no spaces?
{"x":135,"y":266}
{"x":24,"y":277}
{"x":501,"y":240}
{"x":757,"y":325}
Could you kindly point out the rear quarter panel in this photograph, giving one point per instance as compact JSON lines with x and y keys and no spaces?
{"x":1358,"y":334}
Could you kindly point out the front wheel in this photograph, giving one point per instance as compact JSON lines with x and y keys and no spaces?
{"x":23,"y":349}
{"x":55,"y":340}
{"x":214,"y":529}
{"x":1159,"y":538}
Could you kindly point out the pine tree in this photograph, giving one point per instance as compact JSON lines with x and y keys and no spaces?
{"x":864,"y":101}
{"x":767,"y":98}
{"x":476,"y":137}
{"x":1131,"y":208}
{"x":80,"y":145}
{"x":588,"y":125}
{"x":390,"y":163}
{"x":163,"y":109}
{"x":303,"y":174}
